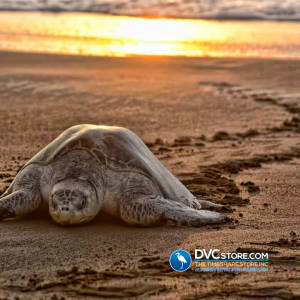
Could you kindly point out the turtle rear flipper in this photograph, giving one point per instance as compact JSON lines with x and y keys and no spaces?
{"x":148,"y":210}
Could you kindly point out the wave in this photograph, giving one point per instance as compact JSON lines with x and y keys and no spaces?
{"x":276,"y":10}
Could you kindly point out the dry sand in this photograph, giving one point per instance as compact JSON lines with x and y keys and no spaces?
{"x":234,"y":121}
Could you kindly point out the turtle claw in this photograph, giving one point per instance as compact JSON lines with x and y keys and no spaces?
{"x":6,"y":213}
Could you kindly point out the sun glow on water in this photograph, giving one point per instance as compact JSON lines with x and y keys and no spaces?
{"x":90,"y":34}
{"x":155,"y":30}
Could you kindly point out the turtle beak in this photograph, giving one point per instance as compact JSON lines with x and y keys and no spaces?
{"x":64,"y":215}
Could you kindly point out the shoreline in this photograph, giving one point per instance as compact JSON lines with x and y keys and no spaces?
{"x":149,"y":56}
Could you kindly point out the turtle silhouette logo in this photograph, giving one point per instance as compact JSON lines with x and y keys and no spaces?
{"x":180,"y":260}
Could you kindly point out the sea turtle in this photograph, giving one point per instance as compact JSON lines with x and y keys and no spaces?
{"x":89,"y":168}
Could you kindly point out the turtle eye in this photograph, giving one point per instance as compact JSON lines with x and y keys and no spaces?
{"x":55,"y":201}
{"x":81,"y":203}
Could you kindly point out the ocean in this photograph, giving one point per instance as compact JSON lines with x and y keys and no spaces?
{"x":288,"y":10}
{"x":201,"y":28}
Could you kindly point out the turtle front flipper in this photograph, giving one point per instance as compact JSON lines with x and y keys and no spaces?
{"x":19,"y":203}
{"x":25,"y":196}
{"x":145,"y":210}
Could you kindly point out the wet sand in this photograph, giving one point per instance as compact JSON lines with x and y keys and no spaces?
{"x":227,"y":128}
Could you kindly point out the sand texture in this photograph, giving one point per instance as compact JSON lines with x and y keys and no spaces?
{"x":227,"y":128}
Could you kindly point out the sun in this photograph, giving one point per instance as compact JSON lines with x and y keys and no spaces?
{"x":155,"y":30}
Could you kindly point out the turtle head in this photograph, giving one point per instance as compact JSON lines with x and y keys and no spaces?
{"x":73,"y":201}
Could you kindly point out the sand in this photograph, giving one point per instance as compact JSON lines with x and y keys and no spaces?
{"x":228,"y":128}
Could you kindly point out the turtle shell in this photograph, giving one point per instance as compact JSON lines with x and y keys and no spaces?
{"x":117,"y":148}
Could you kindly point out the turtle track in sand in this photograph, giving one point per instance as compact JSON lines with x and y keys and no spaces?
{"x":216,"y":182}
{"x":211,"y":180}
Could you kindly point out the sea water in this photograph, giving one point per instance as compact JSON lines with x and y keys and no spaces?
{"x":95,"y":33}
{"x":203,"y":9}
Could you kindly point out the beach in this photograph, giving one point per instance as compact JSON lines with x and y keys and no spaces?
{"x":228,"y":128}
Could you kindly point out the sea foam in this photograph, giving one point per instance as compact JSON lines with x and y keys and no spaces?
{"x":288,"y":10}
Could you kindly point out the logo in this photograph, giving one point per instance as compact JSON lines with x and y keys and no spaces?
{"x":215,"y":254}
{"x":180,"y":260}
{"x":216,"y":261}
